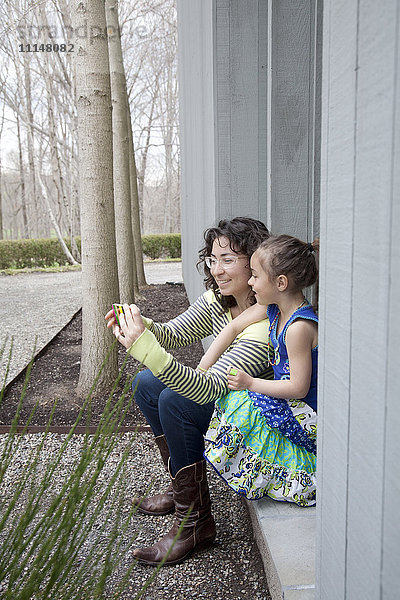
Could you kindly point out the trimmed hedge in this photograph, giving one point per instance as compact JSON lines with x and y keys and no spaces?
{"x":166,"y":245}
{"x":20,"y":254}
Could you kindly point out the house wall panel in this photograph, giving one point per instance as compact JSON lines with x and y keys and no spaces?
{"x":241,"y":108}
{"x":357,"y":550}
{"x":371,"y":289}
{"x":337,"y":216}
{"x":390,"y":559}
{"x":292,"y":106}
{"x":248,"y":104}
{"x":222,"y":56}
{"x":196,"y":62}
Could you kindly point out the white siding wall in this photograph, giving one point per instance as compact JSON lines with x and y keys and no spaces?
{"x":196,"y":39}
{"x":359,"y":443}
{"x":295,"y":77}
{"x":248,"y":102}
{"x":241,"y":103}
{"x":249,"y":134}
{"x":222,"y":117}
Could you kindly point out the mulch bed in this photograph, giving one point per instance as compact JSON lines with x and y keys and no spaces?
{"x":55,"y":372}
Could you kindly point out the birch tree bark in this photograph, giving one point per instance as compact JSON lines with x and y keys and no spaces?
{"x":99,"y":261}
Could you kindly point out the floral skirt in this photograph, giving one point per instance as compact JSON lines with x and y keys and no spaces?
{"x":263,"y":446}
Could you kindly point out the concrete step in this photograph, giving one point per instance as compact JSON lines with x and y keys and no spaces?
{"x":285,"y":534}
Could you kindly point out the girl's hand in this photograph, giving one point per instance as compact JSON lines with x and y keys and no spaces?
{"x":131,"y":322}
{"x":238,"y":380}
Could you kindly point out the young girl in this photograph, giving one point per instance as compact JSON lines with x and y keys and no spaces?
{"x":262,"y":442}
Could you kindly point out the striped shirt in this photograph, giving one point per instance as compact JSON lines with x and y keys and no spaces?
{"x":203,"y":318}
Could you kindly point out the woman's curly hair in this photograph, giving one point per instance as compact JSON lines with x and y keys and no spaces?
{"x":245,"y":235}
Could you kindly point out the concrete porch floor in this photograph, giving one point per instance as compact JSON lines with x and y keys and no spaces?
{"x":285,"y":534}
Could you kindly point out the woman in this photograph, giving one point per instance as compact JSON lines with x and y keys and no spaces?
{"x":178,"y":401}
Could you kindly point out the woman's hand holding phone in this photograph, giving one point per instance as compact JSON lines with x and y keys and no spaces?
{"x":127,"y":324}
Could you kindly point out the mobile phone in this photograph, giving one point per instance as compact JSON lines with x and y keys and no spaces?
{"x":118,"y":310}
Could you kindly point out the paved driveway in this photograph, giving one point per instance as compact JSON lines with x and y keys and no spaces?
{"x":38,"y":305}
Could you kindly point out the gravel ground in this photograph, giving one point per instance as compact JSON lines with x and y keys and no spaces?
{"x":230,"y":570}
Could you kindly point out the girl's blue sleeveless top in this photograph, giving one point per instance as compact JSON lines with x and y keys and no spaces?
{"x":281,"y":366}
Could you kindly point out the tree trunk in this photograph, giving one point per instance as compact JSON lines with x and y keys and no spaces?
{"x":99,"y":261}
{"x":47,"y":65}
{"x":22,"y":177}
{"x":168,"y":97}
{"x":53,"y":220}
{"x":1,"y":183}
{"x":122,"y":192}
{"x":1,"y":204}
{"x":74,"y":217}
{"x":137,"y":233}
{"x":56,"y":167}
{"x":145,"y":151}
{"x":168,"y":180}
{"x":30,"y":140}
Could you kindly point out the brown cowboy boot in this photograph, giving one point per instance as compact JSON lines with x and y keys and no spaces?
{"x":160,"y":504}
{"x":190,"y":491}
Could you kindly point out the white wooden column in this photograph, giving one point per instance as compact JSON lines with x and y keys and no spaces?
{"x":358,"y":551}
{"x":196,"y":62}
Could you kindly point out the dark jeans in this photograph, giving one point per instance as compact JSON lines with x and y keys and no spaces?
{"x":182,"y":421}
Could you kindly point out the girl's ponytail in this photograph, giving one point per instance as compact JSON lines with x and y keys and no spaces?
{"x":314,"y":248}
